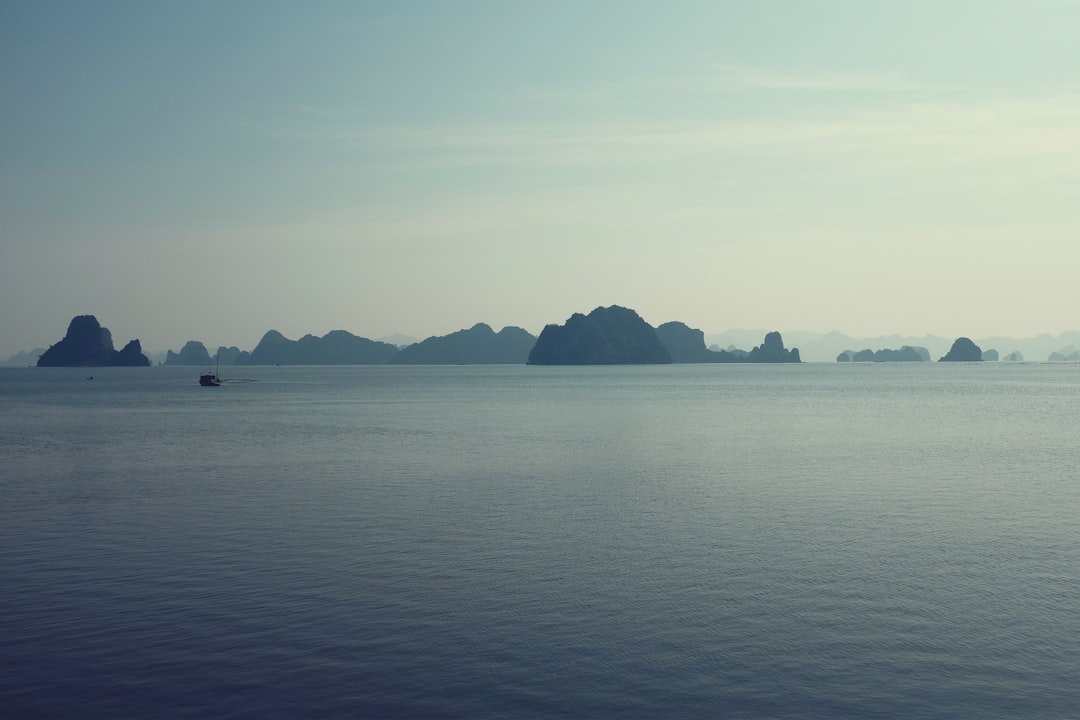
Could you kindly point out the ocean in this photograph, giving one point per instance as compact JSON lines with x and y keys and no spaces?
{"x":686,"y":541}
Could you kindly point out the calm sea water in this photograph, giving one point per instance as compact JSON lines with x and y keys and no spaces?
{"x":814,"y":541}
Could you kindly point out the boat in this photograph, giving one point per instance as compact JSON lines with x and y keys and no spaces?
{"x":211,"y":379}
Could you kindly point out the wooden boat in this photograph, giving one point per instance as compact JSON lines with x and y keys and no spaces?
{"x":211,"y":379}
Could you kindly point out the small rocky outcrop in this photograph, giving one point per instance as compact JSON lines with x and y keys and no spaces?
{"x":478,"y":345}
{"x":87,"y":344}
{"x":772,"y":351}
{"x":193,"y":353}
{"x":963,"y":350}
{"x":131,"y":355}
{"x":990,"y":355}
{"x":606,"y":336}
{"x":1014,"y":356}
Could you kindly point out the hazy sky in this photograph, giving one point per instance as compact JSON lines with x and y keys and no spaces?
{"x":212,"y":170}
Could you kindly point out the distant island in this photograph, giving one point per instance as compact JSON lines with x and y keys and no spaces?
{"x":687,"y":345}
{"x":87,"y":344}
{"x":963,"y":350}
{"x":905,"y":354}
{"x":619,"y":336}
{"x":24,"y":358}
{"x":612,"y":335}
{"x":606,"y":336}
{"x":479,"y":345}
{"x":195,"y":353}
{"x":1065,"y":354}
{"x":772,"y":351}
{"x":337,"y":347}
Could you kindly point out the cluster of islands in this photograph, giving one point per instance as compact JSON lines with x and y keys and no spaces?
{"x":611,"y":335}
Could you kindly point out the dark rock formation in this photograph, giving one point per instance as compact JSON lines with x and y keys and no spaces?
{"x":772,"y":351}
{"x":687,"y":345}
{"x":963,"y":350}
{"x":904,"y":354}
{"x":990,"y":355}
{"x":87,"y":344}
{"x":193,"y":353}
{"x":478,"y":345}
{"x":131,"y":355}
{"x":606,"y":336}
{"x":337,"y":347}
{"x":227,"y":355}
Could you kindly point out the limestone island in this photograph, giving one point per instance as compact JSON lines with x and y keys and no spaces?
{"x":195,"y":353}
{"x":606,"y":336}
{"x":619,"y":336}
{"x":687,"y":345}
{"x":337,"y":347}
{"x":479,"y":345}
{"x":963,"y":350}
{"x":87,"y":344}
{"x":905,"y":354}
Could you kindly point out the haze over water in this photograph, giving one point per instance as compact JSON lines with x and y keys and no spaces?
{"x":678,"y":541}
{"x":212,"y":171}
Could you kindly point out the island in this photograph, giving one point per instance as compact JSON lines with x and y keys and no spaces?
{"x":963,"y":350}
{"x":618,"y":336}
{"x":1065,"y":354}
{"x":606,"y":336}
{"x":687,"y":345}
{"x":772,"y":351}
{"x":337,"y":347}
{"x":193,"y":353}
{"x":905,"y":354}
{"x":87,"y":344}
{"x":479,"y":345}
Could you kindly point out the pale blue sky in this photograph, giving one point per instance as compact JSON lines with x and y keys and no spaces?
{"x":212,"y":170}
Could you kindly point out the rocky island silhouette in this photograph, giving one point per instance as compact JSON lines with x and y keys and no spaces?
{"x":87,"y":344}
{"x":606,"y":335}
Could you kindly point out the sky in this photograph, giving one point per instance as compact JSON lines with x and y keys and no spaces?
{"x":213,"y":170}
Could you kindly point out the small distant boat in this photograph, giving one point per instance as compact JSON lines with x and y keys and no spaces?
{"x":211,"y":379}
